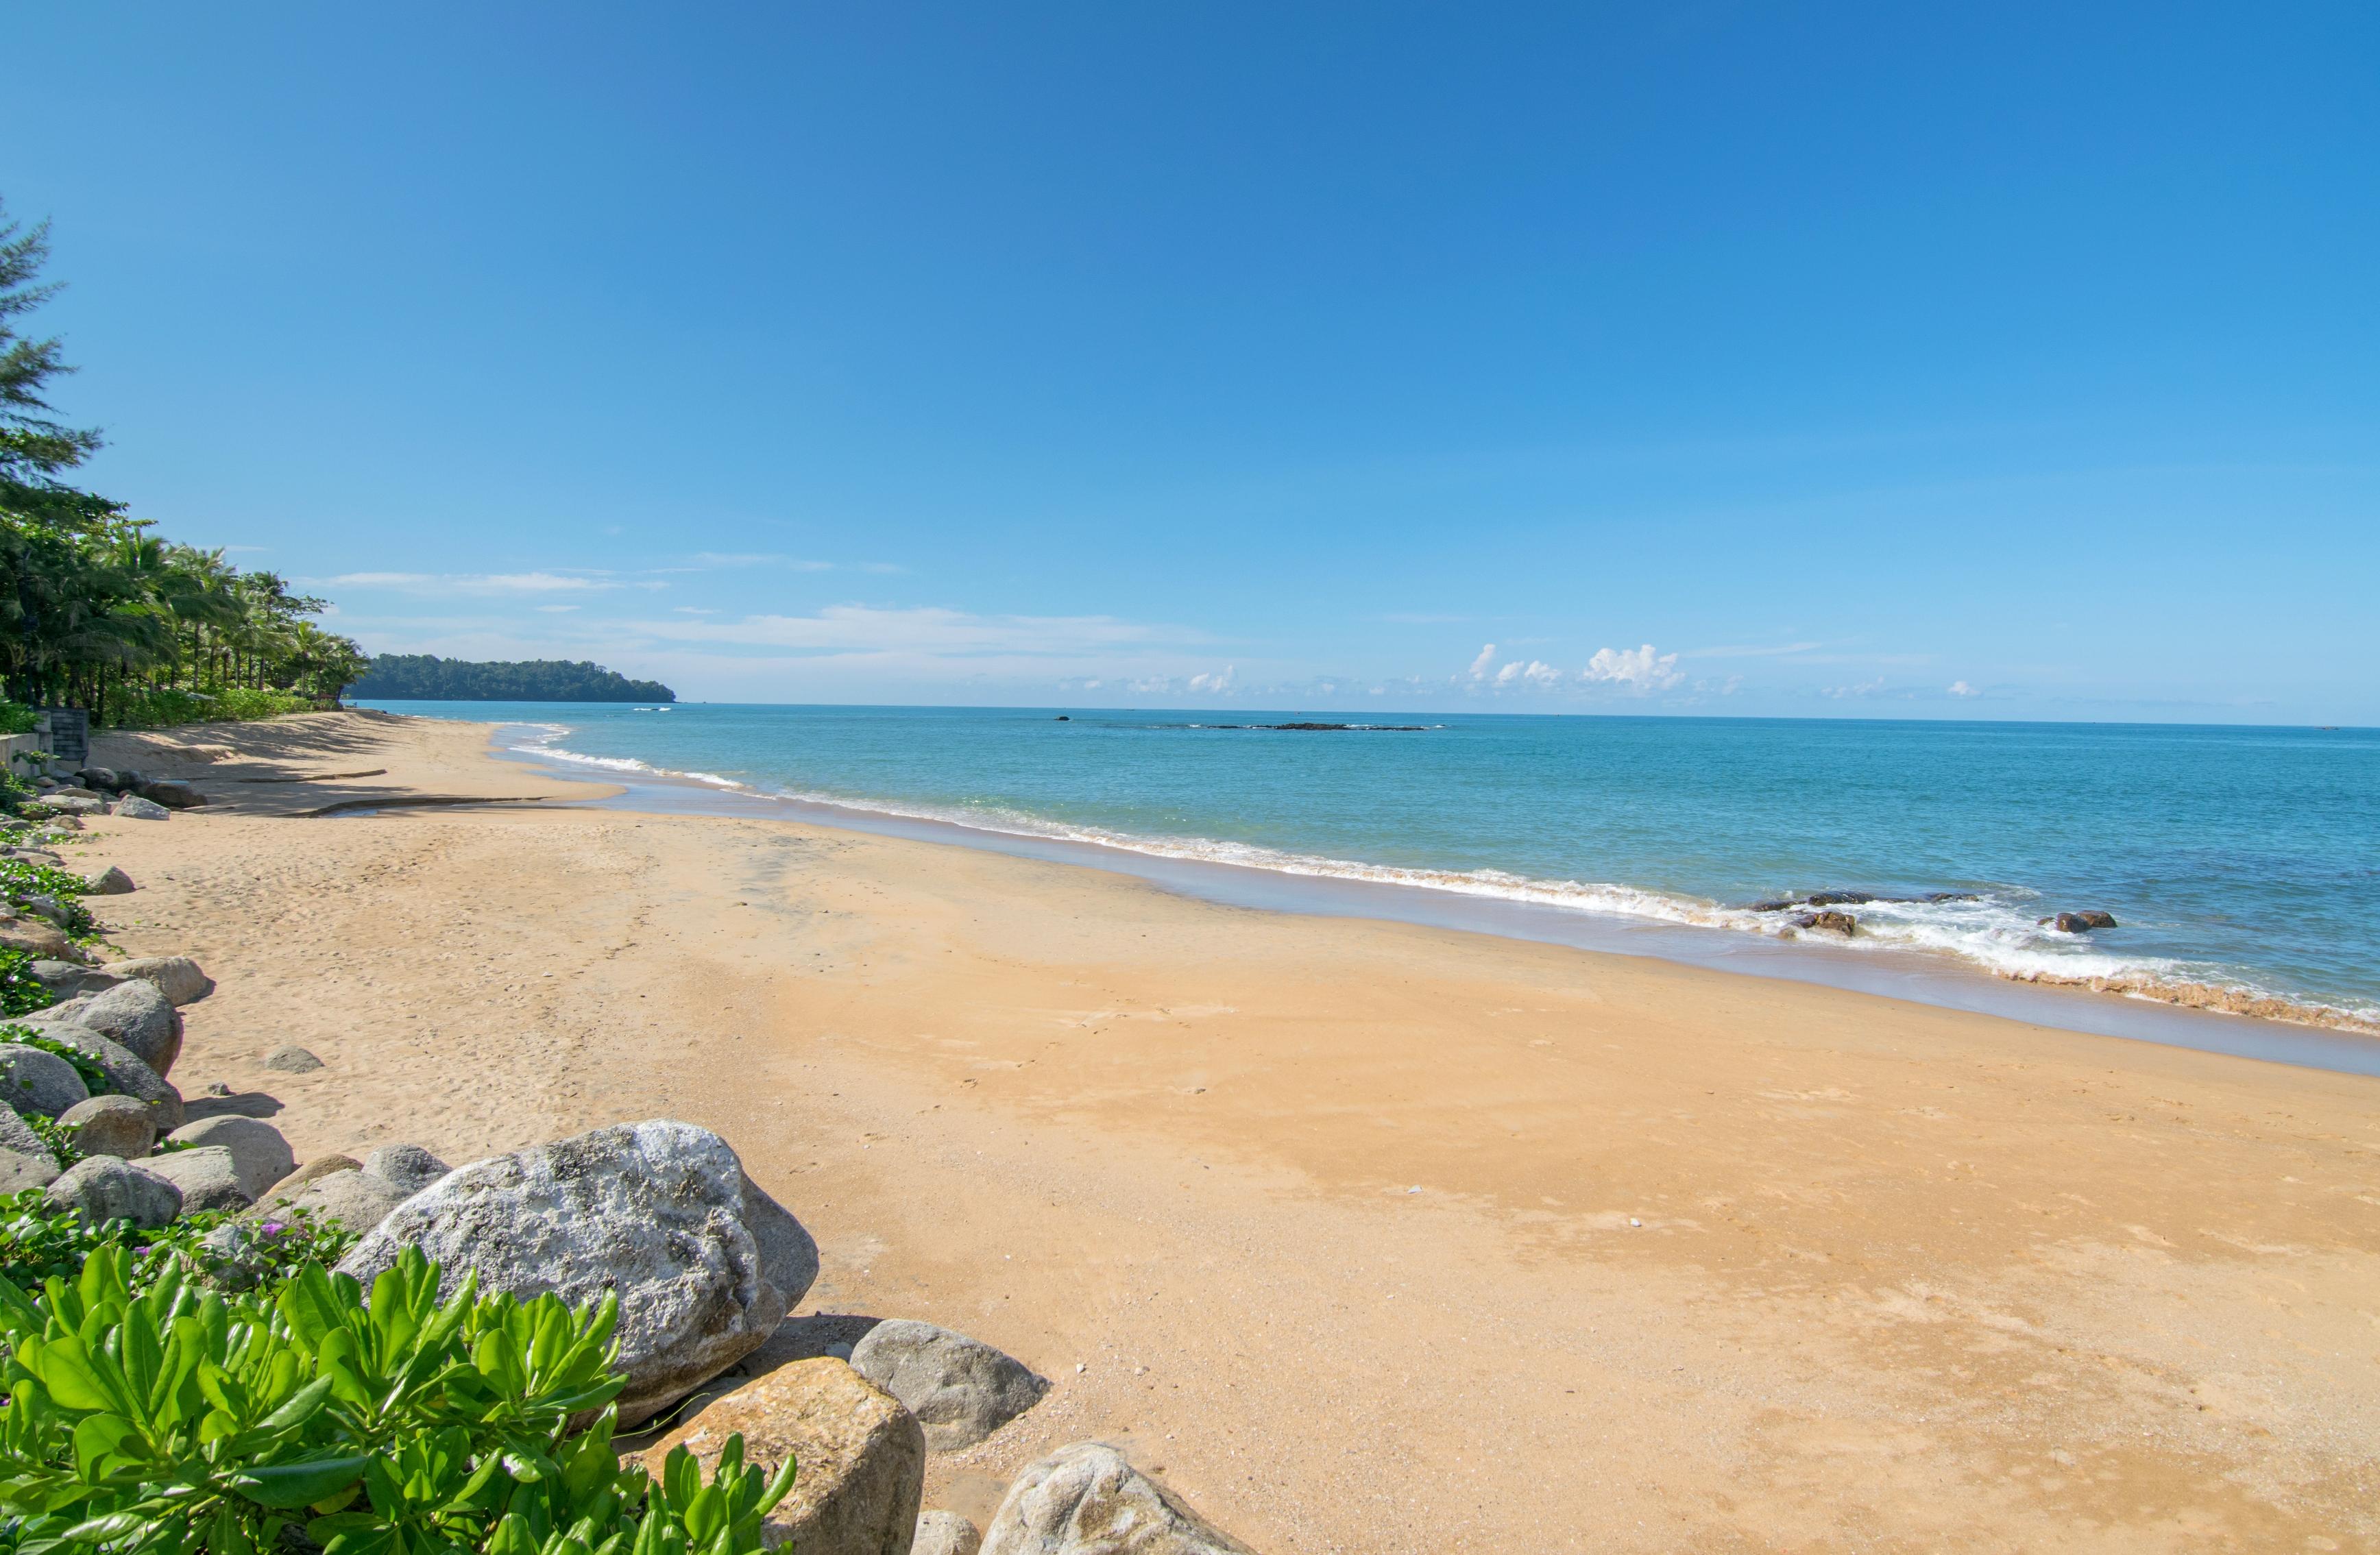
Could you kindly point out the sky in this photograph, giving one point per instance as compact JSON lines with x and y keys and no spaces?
{"x":1878,"y":360}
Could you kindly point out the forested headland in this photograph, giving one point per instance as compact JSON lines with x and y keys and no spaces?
{"x":96,"y":611}
{"x":395,"y":678}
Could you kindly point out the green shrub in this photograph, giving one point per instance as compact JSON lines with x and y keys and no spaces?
{"x":169,"y":1420}
{"x":16,"y":717}
{"x":151,"y":708}
{"x":21,"y":994}
{"x":22,"y":880}
{"x":39,"y":1240}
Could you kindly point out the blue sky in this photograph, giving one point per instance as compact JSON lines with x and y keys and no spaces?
{"x":1990,"y":361}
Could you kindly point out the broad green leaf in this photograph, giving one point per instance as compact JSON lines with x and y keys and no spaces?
{"x":286,"y":1486}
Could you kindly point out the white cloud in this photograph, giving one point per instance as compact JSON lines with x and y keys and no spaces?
{"x":1960,"y":689}
{"x":1536,"y":672}
{"x":1481,"y":665}
{"x":1214,"y":682}
{"x":1640,"y":670}
{"x":1865,"y":688}
{"x":539,"y":582}
{"x":555,"y":610}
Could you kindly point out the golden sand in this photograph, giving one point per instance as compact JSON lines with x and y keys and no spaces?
{"x":1368,"y":1237}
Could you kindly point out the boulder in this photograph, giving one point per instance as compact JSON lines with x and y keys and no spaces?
{"x":122,"y":1126}
{"x":1085,"y":1500}
{"x":171,"y":793}
{"x":125,"y":1074}
{"x":259,"y":1153}
{"x":132,"y":807}
{"x":65,"y":980}
{"x":38,"y":937}
{"x":1831,"y":923}
{"x":96,"y":777}
{"x":208,"y":1177}
{"x":862,"y":1457}
{"x":17,"y":1136}
{"x":110,"y":881}
{"x":2081,"y":923}
{"x":34,"y":1081}
{"x":21,"y":1170}
{"x":660,"y":1212}
{"x":176,"y":977}
{"x":1838,"y":899}
{"x":80,"y":801}
{"x":127,"y":779}
{"x":102,"y":1188}
{"x":408,"y":1168}
{"x":291,"y":1058}
{"x":355,"y":1198}
{"x":961,"y":1389}
{"x":945,"y":1532}
{"x":137,"y":1014}
{"x":321,"y":1166}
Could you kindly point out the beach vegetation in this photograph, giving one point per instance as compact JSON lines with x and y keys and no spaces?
{"x":21,"y":992}
{"x":32,"y":887}
{"x":147,"y":1412}
{"x":96,"y":612}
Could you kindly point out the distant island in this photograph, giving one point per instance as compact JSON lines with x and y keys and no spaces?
{"x":401,"y":677}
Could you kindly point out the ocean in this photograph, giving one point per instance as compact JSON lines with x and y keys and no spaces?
{"x":2241,"y":866}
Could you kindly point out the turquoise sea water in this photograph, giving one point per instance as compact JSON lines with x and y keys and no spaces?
{"x":2232,"y":858}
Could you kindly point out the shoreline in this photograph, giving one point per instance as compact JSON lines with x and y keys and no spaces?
{"x":1364,"y":1236}
{"x":2204,"y":1018}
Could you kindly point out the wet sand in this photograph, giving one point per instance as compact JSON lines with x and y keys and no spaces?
{"x":1369,"y":1236}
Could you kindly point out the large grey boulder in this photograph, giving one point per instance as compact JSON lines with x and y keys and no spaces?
{"x":122,"y":1126}
{"x":176,"y":977}
{"x":103,"y":1188}
{"x":258,"y":1154}
{"x":65,"y":980}
{"x":861,"y":1458}
{"x":171,"y":793}
{"x":354,"y":1198}
{"x":660,"y":1212}
{"x":34,"y":1081}
{"x":409,"y":1168}
{"x":18,"y":1135}
{"x":1085,"y":1500}
{"x":208,"y":1177}
{"x":961,"y":1389}
{"x":945,"y":1532}
{"x":21,"y":1170}
{"x":132,"y":807}
{"x":127,"y":1075}
{"x":138,"y":1014}
{"x":110,"y":881}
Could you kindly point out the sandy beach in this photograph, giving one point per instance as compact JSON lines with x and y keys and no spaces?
{"x":1366,"y":1237}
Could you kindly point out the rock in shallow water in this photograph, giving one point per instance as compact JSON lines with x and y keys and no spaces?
{"x":861,"y":1457}
{"x":961,"y":1389}
{"x":705,"y":1264}
{"x":1085,"y":1500}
